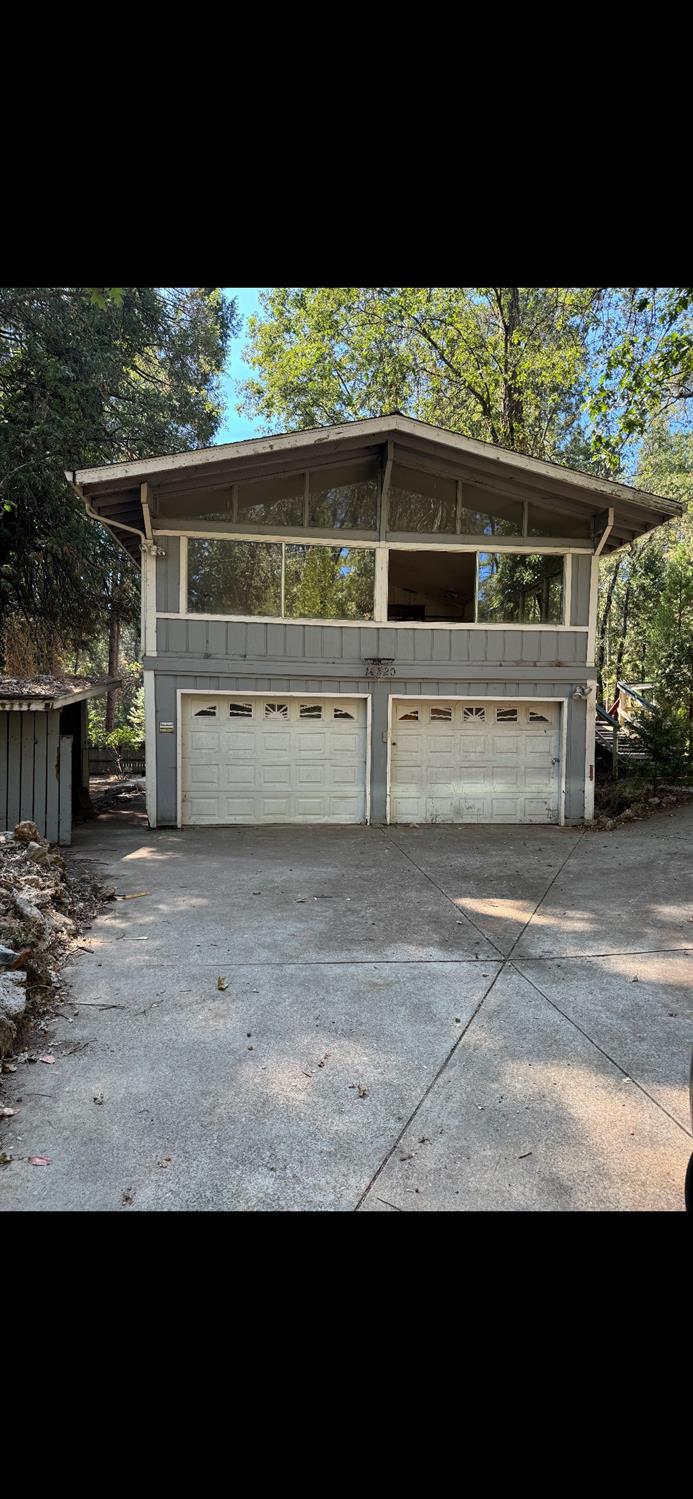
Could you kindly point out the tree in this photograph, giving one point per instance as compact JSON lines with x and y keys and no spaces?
{"x":643,"y":613}
{"x":504,"y":364}
{"x":646,"y":351}
{"x":87,"y":380}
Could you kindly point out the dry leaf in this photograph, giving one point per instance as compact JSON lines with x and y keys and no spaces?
{"x":49,"y":1061}
{"x":222,"y":983}
{"x":362,"y":1092}
{"x":6,"y":1113}
{"x":137,"y":896}
{"x":38,"y":1160}
{"x":165,"y":1161}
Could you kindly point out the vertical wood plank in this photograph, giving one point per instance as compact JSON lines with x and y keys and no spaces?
{"x":65,"y":790}
{"x":26,"y":797}
{"x":14,"y":767}
{"x":52,"y":773}
{"x":40,"y":738}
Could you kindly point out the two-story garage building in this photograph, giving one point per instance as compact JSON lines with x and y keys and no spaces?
{"x":378,"y":621}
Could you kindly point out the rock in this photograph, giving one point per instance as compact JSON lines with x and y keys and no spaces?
{"x":37,"y":852}
{"x":8,"y":1031}
{"x":27,"y":832}
{"x":628,"y":815}
{"x":12,"y":996}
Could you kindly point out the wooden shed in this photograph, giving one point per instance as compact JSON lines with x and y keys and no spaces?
{"x":44,"y":755}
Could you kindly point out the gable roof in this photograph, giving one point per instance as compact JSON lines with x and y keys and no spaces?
{"x":112,"y":490}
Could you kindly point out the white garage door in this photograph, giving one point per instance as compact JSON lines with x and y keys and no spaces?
{"x":273,"y":759}
{"x":474,"y":761}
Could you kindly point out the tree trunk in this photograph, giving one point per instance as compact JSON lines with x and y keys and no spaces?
{"x":603,"y":626}
{"x":113,"y":657}
{"x":513,"y":413}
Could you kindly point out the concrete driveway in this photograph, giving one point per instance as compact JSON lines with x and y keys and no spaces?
{"x":416,"y":1019}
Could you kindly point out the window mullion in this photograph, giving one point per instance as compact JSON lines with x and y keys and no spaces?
{"x":283,"y":588}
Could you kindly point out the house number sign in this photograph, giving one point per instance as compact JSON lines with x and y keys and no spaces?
{"x":383,"y":667}
{"x":166,"y":728}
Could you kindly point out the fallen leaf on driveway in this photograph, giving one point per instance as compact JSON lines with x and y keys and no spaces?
{"x":362,"y":1092}
{"x":6,"y":1113}
{"x":49,"y":1061}
{"x":4,"y":1158}
{"x":98,"y":1098}
{"x":38,"y":1160}
{"x":165,"y":1161}
{"x":222,"y":983}
{"x":137,"y":895}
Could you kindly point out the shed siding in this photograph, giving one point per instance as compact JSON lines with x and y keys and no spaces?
{"x":169,"y":684}
{"x":29,"y":773}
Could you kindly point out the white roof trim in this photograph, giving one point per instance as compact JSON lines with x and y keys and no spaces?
{"x":375,"y":428}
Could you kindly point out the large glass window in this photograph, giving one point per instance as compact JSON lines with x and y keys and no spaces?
{"x":519,"y":589}
{"x":234,"y":577}
{"x":251,"y":577}
{"x":543,"y":520}
{"x":487,"y":514}
{"x":329,"y":582}
{"x":421,"y":502}
{"x":344,"y":497}
{"x":268,"y":502}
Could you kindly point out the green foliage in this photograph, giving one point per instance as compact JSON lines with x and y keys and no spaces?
{"x":662,"y":734}
{"x":129,"y":698}
{"x":504,"y":364}
{"x":136,"y":715}
{"x":84,"y":380}
{"x":646,"y":359}
{"x":648,"y":588}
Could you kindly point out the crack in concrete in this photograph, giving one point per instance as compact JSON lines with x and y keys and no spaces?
{"x":609,"y":1058}
{"x":506,"y":961}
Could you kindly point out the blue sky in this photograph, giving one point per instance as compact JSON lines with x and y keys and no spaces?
{"x":234,"y":427}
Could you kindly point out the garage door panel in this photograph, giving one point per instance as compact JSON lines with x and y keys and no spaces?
{"x":273,"y":759}
{"x":237,"y":775}
{"x":475,"y":762}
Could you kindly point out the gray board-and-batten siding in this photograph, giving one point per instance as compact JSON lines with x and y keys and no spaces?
{"x":36,"y":773}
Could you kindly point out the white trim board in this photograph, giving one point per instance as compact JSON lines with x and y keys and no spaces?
{"x":590,"y":751}
{"x":223,"y":692}
{"x":362,"y":624}
{"x":150,"y":743}
{"x":343,"y":539}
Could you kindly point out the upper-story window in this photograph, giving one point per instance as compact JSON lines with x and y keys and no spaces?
{"x":483,"y":513}
{"x":280,"y":579}
{"x":421,"y":502}
{"x":344,"y":498}
{"x":271,"y":502}
{"x":519,"y":588}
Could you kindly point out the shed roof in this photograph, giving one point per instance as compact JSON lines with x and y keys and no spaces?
{"x":113,"y":490}
{"x":48,"y":692}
